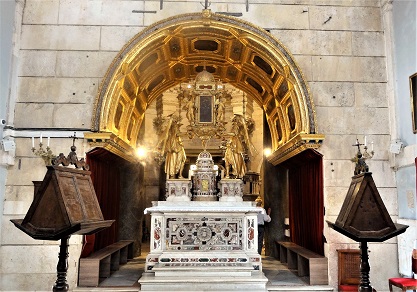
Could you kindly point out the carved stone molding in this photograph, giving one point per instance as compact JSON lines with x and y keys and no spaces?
{"x":296,"y":145}
{"x":112,"y":143}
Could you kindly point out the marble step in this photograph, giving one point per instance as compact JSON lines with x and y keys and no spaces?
{"x":105,"y":289}
{"x":299,"y":288}
{"x":203,"y":269}
{"x":256,"y":282}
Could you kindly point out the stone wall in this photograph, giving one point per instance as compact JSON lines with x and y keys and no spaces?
{"x":405,"y":39}
{"x":64,"y":48}
{"x":275,"y":197}
{"x":132,"y":204}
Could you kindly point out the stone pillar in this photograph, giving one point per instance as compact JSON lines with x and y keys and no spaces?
{"x":389,"y":52}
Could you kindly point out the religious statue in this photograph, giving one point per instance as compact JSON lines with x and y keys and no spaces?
{"x":172,"y":147}
{"x":360,"y":165}
{"x":219,"y":109}
{"x":237,"y":148}
{"x":234,"y":157}
{"x":190,"y":107}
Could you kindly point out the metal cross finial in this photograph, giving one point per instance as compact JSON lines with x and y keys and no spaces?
{"x":73,"y":138}
{"x":358,"y":145}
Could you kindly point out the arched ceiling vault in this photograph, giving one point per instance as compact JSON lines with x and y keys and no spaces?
{"x":234,"y":51}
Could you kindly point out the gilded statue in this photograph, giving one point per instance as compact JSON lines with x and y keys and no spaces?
{"x":234,"y":156}
{"x":190,"y":108}
{"x":238,"y":147}
{"x":172,"y":147}
{"x":220,"y":107}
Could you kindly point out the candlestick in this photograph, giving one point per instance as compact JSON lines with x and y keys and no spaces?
{"x":49,"y":140}
{"x":45,"y":154}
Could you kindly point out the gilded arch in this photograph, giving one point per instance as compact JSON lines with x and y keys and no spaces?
{"x":237,"y":52}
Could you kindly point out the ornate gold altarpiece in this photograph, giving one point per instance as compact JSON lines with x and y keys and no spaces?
{"x":237,"y":52}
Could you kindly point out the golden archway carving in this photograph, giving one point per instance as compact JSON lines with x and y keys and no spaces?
{"x":237,"y":52}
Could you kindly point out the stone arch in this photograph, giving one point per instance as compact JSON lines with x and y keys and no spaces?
{"x":172,"y":51}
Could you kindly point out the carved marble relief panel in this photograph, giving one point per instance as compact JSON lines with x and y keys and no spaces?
{"x":205,"y":233}
{"x":157,"y":233}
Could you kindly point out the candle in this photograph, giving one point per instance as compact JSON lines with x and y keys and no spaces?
{"x":49,"y":140}
{"x":40,"y":138}
{"x":372,"y":145}
{"x":365,"y":141}
{"x":33,"y":142}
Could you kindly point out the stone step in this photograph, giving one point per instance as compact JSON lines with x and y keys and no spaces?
{"x":300,"y":288}
{"x":203,"y":269}
{"x":105,"y":289}
{"x":256,"y":282}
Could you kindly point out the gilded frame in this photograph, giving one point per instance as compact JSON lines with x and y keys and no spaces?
{"x":413,"y":96}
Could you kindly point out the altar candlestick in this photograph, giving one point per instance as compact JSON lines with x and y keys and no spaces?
{"x":40,"y":138}
{"x":49,"y":140}
{"x":365,"y":141}
{"x":33,"y":142}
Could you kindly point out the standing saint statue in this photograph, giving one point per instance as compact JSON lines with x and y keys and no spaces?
{"x":234,"y":155}
{"x":173,"y":149}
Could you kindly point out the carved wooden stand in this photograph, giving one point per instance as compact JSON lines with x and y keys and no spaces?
{"x":365,"y":284}
{"x":364,"y":218}
{"x":65,"y":195}
{"x":62,"y":267}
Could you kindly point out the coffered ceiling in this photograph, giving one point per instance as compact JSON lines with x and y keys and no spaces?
{"x":235,"y":52}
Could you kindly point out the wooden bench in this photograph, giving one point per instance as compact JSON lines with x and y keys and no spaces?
{"x":306,"y":262}
{"x":103,"y":262}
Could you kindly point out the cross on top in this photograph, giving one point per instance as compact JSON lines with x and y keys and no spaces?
{"x":73,"y":138}
{"x":358,"y":145}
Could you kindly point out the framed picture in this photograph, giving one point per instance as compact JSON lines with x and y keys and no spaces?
{"x":413,"y":94}
{"x":206,"y":105}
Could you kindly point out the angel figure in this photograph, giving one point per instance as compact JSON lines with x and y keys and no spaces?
{"x":238,"y":148}
{"x":173,"y":148}
{"x":234,"y":157}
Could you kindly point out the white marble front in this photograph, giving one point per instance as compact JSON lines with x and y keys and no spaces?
{"x":218,"y":237}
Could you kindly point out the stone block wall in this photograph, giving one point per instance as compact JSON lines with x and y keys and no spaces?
{"x":64,"y":48}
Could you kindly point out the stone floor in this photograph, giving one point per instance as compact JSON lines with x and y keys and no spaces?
{"x":280,"y":278}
